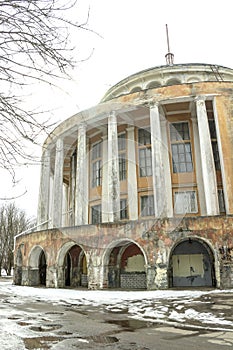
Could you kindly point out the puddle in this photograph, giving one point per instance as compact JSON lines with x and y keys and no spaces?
{"x":130,"y":324}
{"x":22,"y":323}
{"x":45,"y":328}
{"x":102,"y":339}
{"x":41,"y":342}
{"x":14,"y":318}
{"x":64,"y":333}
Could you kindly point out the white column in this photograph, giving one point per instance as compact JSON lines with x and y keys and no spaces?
{"x":132,"y":175}
{"x":72,"y":190}
{"x":168,"y":207}
{"x":113,"y":170}
{"x":81,"y":202}
{"x":207,"y":159}
{"x":157,"y":163}
{"x":104,"y":202}
{"x":44,"y":194}
{"x":58,"y":185}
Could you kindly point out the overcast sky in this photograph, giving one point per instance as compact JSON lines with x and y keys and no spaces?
{"x":131,"y":37}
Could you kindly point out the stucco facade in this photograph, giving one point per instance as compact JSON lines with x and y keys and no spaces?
{"x":136,"y":192}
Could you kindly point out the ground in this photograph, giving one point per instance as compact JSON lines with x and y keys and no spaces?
{"x":43,"y":318}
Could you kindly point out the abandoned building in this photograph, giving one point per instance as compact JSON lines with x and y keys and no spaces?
{"x":137,"y":192}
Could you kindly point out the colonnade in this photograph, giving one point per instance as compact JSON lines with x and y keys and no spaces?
{"x":50,"y":206}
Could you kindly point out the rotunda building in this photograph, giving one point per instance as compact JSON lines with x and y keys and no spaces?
{"x":137,"y":191}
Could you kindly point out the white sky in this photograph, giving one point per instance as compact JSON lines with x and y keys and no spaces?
{"x":132,"y":37}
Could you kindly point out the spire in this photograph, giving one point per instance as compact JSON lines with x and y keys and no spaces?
{"x":169,"y":56}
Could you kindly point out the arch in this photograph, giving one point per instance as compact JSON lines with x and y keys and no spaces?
{"x":193,"y":79}
{"x":135,"y":89}
{"x":191,"y":264}
{"x":153,"y":85}
{"x":37,"y":267}
{"x":18,"y":267}
{"x":173,"y":81}
{"x":72,"y":266}
{"x":124,"y":265}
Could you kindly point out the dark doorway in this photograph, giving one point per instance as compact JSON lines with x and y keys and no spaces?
{"x":42,"y":269}
{"x":75,"y":268}
{"x":192,"y":265}
{"x":67,"y":269}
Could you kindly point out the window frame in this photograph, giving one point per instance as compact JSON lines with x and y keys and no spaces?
{"x":96,"y":164}
{"x":185,"y":192}
{"x":98,"y":209}
{"x":150,"y":209}
{"x":144,"y":153}
{"x":122,"y":163}
{"x":181,"y":144}
{"x":123,"y":209}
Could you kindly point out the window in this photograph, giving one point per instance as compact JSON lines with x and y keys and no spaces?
{"x":144,"y":137}
{"x":121,"y":142}
{"x":145,"y":158}
{"x":221,"y":201}
{"x":123,"y":209}
{"x":97,"y":165}
{"x":122,"y":156}
{"x":122,"y":167}
{"x":181,"y":148}
{"x":185,"y":202}
{"x":147,"y":206}
{"x":96,"y":214}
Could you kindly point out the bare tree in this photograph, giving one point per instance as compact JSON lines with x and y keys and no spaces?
{"x":12,"y":222}
{"x":34,"y":47}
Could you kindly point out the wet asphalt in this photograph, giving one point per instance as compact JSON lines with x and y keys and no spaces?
{"x":34,"y":324}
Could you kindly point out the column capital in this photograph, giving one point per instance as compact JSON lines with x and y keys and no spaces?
{"x":112,"y":114}
{"x":82,"y":126}
{"x":154,"y":104}
{"x":130,"y":128}
{"x":200,"y":98}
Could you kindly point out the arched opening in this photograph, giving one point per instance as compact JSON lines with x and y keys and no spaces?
{"x":135,"y":89}
{"x":191,"y":265}
{"x":67,"y":269}
{"x":75,"y":267}
{"x":18,"y":268}
{"x":126,"y":266}
{"x":42,"y":269}
{"x":37,"y":267}
{"x":153,"y":85}
{"x":173,"y":81}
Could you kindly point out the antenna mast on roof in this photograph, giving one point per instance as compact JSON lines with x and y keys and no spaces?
{"x":169,"y":56}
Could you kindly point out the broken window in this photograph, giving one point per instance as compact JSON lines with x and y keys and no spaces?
{"x":147,"y":206}
{"x":185,"y":202}
{"x":123,"y":209}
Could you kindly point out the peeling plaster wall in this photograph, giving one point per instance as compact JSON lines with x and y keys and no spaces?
{"x":155,"y":238}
